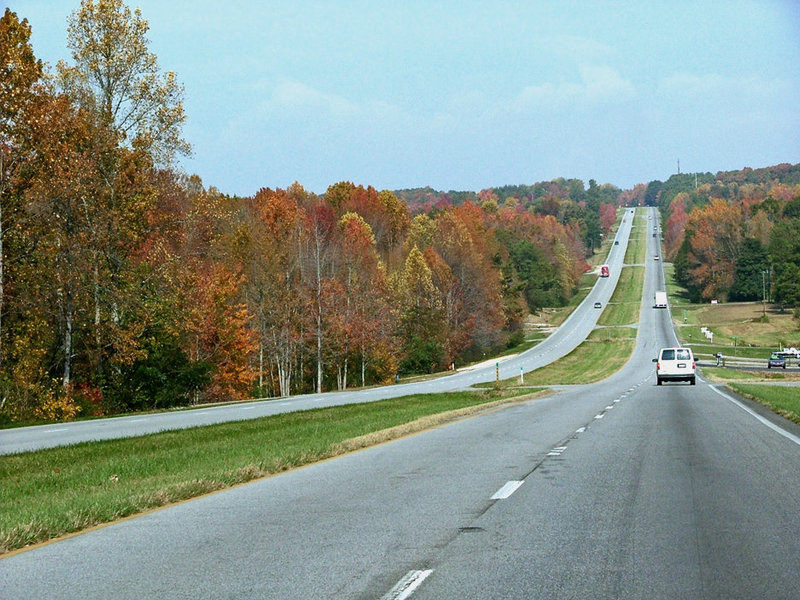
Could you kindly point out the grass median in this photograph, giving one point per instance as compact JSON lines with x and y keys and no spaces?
{"x":591,"y":361}
{"x":50,"y":493}
{"x":611,"y":344}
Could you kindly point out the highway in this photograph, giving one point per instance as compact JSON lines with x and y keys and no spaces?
{"x":619,"y":489}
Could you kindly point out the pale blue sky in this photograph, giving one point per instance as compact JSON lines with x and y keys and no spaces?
{"x":467,"y":95}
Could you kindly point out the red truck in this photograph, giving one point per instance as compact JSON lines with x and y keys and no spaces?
{"x":604,"y":271}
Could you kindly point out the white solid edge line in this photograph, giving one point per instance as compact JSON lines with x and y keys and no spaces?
{"x":508,"y":489}
{"x":406,"y":586}
{"x":768,"y":423}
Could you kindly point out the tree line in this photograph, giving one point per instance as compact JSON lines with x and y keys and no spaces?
{"x":733,"y":236}
{"x":127,"y":285}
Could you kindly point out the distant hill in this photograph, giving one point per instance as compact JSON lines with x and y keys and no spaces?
{"x":424,"y":199}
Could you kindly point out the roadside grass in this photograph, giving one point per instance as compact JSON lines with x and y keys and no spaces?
{"x":637,"y":243}
{"x":739,"y":328}
{"x":626,"y":302}
{"x":50,"y":493}
{"x":782,"y":400}
{"x":591,"y":361}
{"x":611,"y":344}
{"x":723,"y":374}
{"x":612,"y":334}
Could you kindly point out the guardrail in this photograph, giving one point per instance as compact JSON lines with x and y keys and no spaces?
{"x":710,"y":360}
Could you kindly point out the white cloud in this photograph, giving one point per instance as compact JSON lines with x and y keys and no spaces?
{"x":605,"y":84}
{"x":598,"y":85}
{"x":296,"y":95}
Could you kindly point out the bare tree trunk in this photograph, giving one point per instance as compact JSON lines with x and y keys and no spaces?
{"x":318,"y":260}
{"x":261,"y":363}
{"x":98,"y":340}
{"x":363,"y":366}
{"x":68,"y":323}
{"x":2,"y":279}
{"x":2,"y":275}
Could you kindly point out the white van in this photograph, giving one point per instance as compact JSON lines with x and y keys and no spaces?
{"x":675,"y":364}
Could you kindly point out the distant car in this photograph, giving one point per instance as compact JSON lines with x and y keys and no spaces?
{"x":656,"y":257}
{"x":675,"y":364}
{"x":616,"y":242}
{"x":776,"y":360}
{"x":598,"y":305}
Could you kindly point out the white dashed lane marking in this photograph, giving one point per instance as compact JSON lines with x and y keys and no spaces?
{"x":508,"y":489}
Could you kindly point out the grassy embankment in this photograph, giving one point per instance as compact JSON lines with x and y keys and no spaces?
{"x":741,"y":329}
{"x":611,"y":344}
{"x":744,"y":329}
{"x":782,"y":400}
{"x":50,"y":493}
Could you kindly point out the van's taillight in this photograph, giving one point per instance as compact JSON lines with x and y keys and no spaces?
{"x":693,"y":365}
{"x":658,"y":365}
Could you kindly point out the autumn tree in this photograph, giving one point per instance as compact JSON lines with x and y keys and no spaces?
{"x":715,"y":235}
{"x":421,"y":320}
{"x":19,"y":72}
{"x":320,"y":225}
{"x":608,"y":216}
{"x":676,"y":224}
{"x":115,"y":78}
{"x":268,"y":247}
{"x":364,"y":305}
{"x":53,"y":274}
{"x":117,"y":73}
{"x":472,"y":297}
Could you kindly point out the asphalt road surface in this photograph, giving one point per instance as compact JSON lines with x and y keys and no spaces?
{"x":619,"y":489}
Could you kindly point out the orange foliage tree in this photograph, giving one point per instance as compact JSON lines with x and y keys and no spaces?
{"x":715,"y":237}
